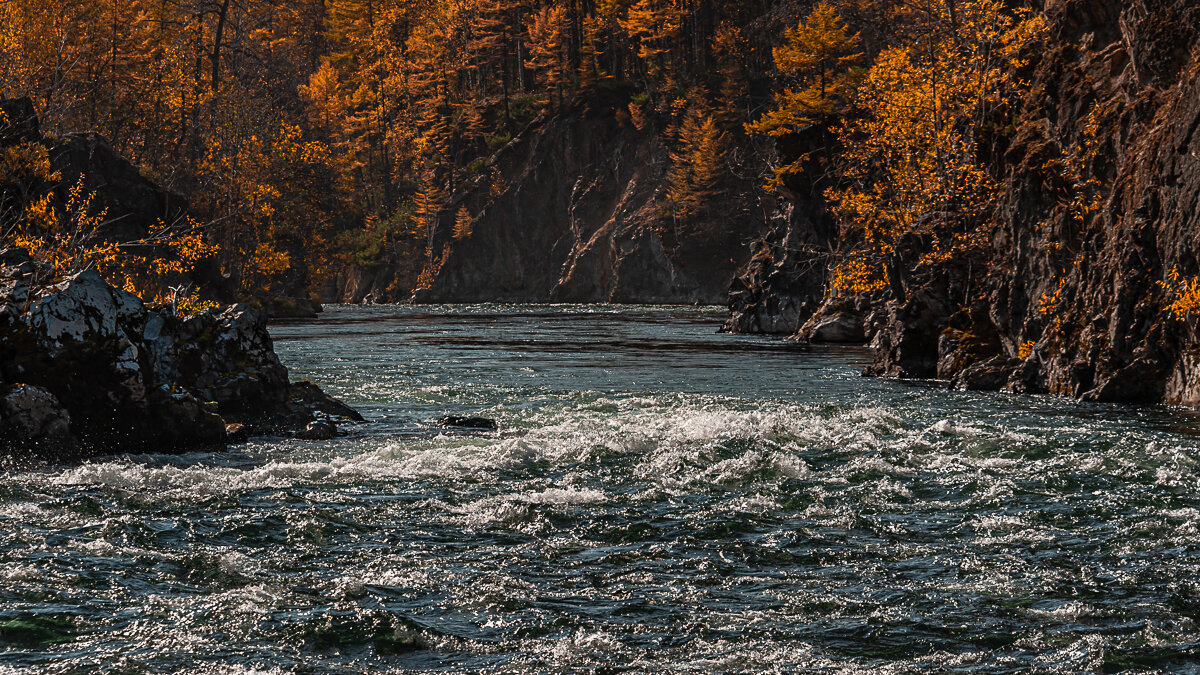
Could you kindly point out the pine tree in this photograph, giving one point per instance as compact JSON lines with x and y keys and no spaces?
{"x":817,"y":56}
{"x":698,"y":162}
{"x":547,"y":48}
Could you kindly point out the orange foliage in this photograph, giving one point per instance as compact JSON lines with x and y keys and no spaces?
{"x":909,"y":161}
{"x":1183,"y":293}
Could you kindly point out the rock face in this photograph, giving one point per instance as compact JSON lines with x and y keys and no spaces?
{"x":87,"y":369}
{"x":1069,"y":301}
{"x":575,"y":210}
{"x":782,"y":285}
{"x":133,"y":203}
{"x":845,"y":327}
{"x":1074,"y":305}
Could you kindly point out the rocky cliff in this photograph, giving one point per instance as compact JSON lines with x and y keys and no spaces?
{"x":783,"y":283}
{"x":1071,"y":297}
{"x":575,"y":210}
{"x":1077,"y":305}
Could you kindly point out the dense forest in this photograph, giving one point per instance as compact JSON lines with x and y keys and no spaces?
{"x":312,"y":135}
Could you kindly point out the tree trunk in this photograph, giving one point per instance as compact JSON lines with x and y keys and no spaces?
{"x":222,"y":16}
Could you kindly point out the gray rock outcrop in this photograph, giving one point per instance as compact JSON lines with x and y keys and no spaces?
{"x":88,"y":369}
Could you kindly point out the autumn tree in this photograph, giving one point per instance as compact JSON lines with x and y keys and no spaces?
{"x":547,"y":48}
{"x":910,"y":158}
{"x":698,"y":161}
{"x":817,"y":57}
{"x":655,"y":27}
{"x":293,"y":125}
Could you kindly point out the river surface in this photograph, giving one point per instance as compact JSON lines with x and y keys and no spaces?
{"x":660,"y":498}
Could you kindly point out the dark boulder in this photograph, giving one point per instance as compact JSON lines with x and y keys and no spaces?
{"x":907,"y":344}
{"x":236,"y":433}
{"x":318,"y":430}
{"x":134,"y":203}
{"x":987,"y":375}
{"x":33,"y":417}
{"x":837,"y":328}
{"x":480,"y":423}
{"x":18,"y":122}
{"x":308,"y":396}
{"x":93,"y":370}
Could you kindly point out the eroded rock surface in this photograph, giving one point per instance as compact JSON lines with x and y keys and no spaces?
{"x":87,"y":368}
{"x":781,"y":287}
{"x":1076,"y":305}
{"x":575,"y":209}
{"x":1064,"y":301}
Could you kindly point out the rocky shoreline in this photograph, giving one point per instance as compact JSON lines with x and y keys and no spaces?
{"x":88,"y":369}
{"x":1065,"y":299}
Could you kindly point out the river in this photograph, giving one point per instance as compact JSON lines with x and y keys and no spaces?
{"x":659,"y":498}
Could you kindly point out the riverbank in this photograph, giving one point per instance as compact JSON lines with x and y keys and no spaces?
{"x":1078,"y":277}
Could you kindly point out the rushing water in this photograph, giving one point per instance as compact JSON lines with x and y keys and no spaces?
{"x":659,"y":498}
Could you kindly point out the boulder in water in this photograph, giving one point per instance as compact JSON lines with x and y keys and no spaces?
{"x":463,"y":422}
{"x":318,"y":430}
{"x":33,"y":416}
{"x":236,"y":433}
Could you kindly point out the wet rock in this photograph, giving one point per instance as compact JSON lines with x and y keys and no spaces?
{"x":907,"y":345}
{"x":482,"y":423}
{"x":1183,"y":383}
{"x":226,"y":357}
{"x":1140,"y":382}
{"x":182,"y":422}
{"x":988,"y":375}
{"x":309,"y":397}
{"x":236,"y":433}
{"x":318,"y":430}
{"x":840,"y":328}
{"x":33,"y":422}
{"x":1026,"y":378}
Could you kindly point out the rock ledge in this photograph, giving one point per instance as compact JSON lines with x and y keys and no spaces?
{"x":88,"y":369}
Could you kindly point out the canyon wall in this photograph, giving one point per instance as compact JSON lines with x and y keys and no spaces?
{"x":575,"y":209}
{"x":1072,"y":298}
